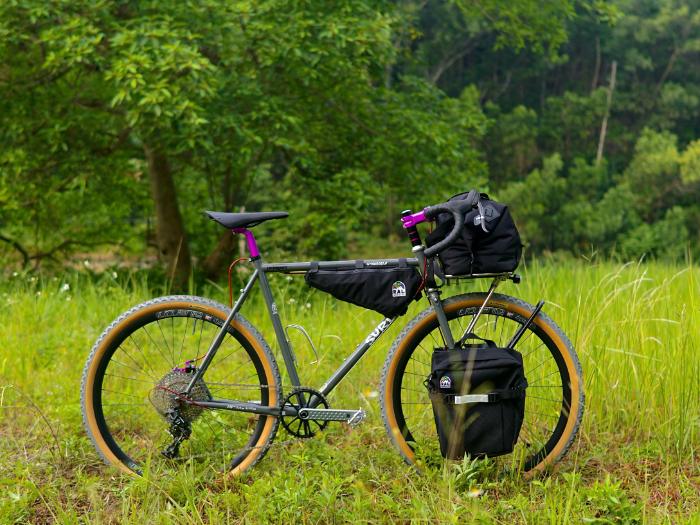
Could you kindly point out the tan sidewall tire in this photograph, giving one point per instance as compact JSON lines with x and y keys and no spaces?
{"x":206,"y":306}
{"x":510,"y":304}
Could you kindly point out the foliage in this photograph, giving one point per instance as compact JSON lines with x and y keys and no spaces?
{"x":337,"y":111}
{"x":636,"y":458}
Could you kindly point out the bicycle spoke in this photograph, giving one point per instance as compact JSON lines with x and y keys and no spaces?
{"x":542,"y":411}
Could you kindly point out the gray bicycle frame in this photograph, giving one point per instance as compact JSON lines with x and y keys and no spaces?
{"x":260,"y":275}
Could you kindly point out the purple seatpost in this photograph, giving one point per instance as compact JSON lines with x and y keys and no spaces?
{"x":250,"y":238}
{"x":409,"y":221}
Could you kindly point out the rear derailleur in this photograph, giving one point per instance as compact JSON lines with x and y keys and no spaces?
{"x":180,"y":429}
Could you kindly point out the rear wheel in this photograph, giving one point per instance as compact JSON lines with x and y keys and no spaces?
{"x":554,"y":402}
{"x":132,"y":384}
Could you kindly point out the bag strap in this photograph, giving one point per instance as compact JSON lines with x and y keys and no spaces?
{"x":491,"y":397}
{"x":472,"y":335}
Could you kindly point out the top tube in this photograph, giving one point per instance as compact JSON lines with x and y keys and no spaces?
{"x":290,"y":267}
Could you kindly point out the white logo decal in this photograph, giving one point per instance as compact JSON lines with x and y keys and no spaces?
{"x":398,"y":289}
{"x":377,"y":332}
{"x":445,"y":382}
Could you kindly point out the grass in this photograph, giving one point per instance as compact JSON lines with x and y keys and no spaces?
{"x":635,"y":328}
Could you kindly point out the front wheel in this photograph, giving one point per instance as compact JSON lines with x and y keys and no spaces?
{"x":132,"y":401}
{"x":554,"y":401}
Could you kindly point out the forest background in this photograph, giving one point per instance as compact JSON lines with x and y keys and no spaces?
{"x":120,"y":121}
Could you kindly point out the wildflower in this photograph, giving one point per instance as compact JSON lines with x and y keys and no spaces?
{"x":308,"y":305}
{"x":114,"y":275}
{"x":86,"y":263}
{"x":15,"y":274}
{"x":289,"y":278}
{"x":38,"y":293}
{"x":475,"y":493}
{"x":292,"y":300}
{"x":65,"y":287}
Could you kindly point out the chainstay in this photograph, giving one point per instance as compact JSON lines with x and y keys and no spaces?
{"x":267,"y":446}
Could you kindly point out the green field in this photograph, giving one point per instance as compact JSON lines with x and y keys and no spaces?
{"x":635,"y":328}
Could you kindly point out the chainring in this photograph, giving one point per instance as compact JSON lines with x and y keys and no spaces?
{"x":295,"y":425}
{"x":167,"y":399}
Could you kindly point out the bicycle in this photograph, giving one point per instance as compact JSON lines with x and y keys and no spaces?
{"x":154,"y":390}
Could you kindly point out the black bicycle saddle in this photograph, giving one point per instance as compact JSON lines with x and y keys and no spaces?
{"x":244,"y":220}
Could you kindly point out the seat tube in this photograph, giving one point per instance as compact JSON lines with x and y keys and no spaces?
{"x":276,"y":322}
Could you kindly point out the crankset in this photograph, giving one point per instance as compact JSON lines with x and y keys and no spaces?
{"x":308,"y":421}
{"x":299,"y":399}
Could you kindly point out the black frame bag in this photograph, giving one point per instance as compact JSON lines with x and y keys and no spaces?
{"x":489,"y":242}
{"x":478,"y":398}
{"x":388,"y":291}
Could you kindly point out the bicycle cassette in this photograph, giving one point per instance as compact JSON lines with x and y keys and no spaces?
{"x":167,"y":399}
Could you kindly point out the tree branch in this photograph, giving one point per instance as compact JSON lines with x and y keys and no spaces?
{"x":17,"y":246}
{"x":65,"y":245}
{"x":447,"y":62}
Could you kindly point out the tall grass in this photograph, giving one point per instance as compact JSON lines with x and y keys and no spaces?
{"x":635,"y":328}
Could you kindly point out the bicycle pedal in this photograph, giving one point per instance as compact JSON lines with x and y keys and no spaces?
{"x":357,"y":418}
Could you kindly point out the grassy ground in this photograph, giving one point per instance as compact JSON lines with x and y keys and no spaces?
{"x":637,"y":458}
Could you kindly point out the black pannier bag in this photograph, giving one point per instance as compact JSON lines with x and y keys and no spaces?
{"x":388,"y":291}
{"x":489,"y":242}
{"x":478,"y":398}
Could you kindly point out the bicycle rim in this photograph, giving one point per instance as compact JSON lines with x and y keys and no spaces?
{"x":554,"y":402}
{"x":137,"y":368}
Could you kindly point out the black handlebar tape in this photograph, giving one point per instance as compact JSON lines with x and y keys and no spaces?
{"x":452,"y":237}
{"x":458,"y":209}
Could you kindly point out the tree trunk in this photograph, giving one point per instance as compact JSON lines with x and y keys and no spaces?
{"x":604,"y":125}
{"x":173,"y":248}
{"x":216,"y":263}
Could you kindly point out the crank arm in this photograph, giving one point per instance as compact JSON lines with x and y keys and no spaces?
{"x":331,"y":414}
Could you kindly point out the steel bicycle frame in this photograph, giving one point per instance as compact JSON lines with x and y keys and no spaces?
{"x":260,"y":275}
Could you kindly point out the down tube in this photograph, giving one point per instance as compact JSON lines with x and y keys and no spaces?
{"x":353,"y":358}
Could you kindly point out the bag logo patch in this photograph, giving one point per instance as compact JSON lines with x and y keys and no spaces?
{"x":445,"y":382}
{"x":398,"y":289}
{"x":489,"y":214}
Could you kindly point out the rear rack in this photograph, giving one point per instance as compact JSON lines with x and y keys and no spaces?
{"x":505,"y":276}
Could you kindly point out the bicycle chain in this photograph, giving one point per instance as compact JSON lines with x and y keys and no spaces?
{"x":274,"y":443}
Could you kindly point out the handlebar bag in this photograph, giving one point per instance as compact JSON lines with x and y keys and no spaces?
{"x":478,"y":399}
{"x":488,"y":243}
{"x":388,"y":291}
